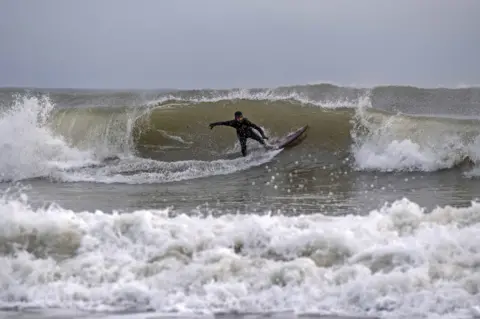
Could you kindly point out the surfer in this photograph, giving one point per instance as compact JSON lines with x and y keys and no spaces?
{"x":244,"y":131}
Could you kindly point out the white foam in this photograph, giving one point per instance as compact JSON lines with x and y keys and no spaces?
{"x":396,"y":262}
{"x":174,"y":137}
{"x":134,"y":170}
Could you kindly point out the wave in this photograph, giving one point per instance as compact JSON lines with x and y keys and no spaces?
{"x":399,"y":261}
{"x":168,"y":139}
{"x":374,"y":139}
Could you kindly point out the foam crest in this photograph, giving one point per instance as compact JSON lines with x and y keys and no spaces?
{"x":398,"y":261}
{"x":272,"y":95}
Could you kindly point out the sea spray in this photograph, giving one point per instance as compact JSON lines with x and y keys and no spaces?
{"x":28,"y":148}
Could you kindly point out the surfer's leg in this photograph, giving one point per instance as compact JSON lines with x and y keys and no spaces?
{"x":255,"y":137}
{"x":260,"y":140}
{"x":243,"y":144}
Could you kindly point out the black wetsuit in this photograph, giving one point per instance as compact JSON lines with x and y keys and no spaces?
{"x":244,"y":131}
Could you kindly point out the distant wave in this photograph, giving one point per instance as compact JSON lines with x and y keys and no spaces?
{"x":320,"y":94}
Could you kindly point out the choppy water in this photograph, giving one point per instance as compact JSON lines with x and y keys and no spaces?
{"x":127,"y":201}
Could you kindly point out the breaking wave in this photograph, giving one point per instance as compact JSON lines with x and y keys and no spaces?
{"x":399,"y":261}
{"x":128,"y":137}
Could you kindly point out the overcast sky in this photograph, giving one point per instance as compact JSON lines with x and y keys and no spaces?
{"x":237,"y":43}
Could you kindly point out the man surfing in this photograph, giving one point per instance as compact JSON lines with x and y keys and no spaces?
{"x":244,"y":131}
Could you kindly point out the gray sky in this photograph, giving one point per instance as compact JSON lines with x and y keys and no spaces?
{"x":237,"y":43}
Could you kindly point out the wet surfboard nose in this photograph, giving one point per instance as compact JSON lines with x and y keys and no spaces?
{"x":291,"y":137}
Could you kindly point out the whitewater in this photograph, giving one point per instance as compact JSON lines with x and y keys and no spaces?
{"x":126,"y":203}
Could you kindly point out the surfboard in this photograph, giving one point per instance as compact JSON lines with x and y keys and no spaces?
{"x":290,"y":138}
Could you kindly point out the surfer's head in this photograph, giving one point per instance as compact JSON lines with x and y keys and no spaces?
{"x":238,"y":116}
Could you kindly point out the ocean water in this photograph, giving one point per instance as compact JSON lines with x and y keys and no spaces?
{"x":125,"y":203}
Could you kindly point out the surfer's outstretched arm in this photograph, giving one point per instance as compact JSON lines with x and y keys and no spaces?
{"x":258,"y":128}
{"x":224,"y":123}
